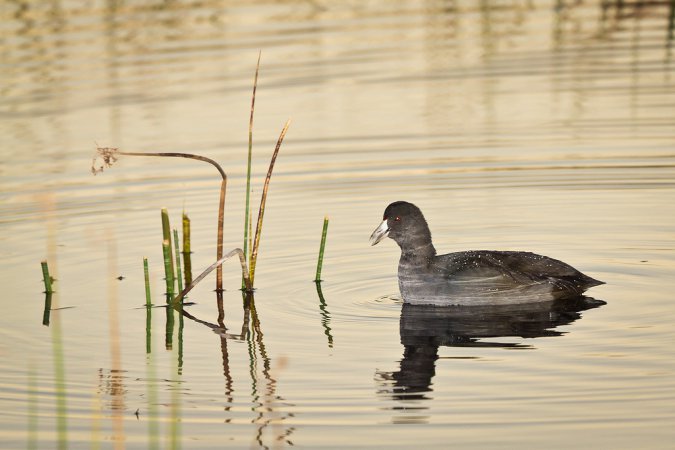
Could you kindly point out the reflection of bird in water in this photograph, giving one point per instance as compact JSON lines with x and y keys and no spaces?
{"x":476,"y":277}
{"x":424,"y":328}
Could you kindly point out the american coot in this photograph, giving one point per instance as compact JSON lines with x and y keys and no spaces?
{"x":474,"y":277}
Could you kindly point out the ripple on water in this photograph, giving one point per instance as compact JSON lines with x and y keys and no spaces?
{"x":337,"y":301}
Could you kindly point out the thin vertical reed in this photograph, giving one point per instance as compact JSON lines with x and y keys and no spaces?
{"x":250,"y":233}
{"x":250,"y":245}
{"x":247,"y":217}
{"x":179,"y":274}
{"x":219,"y":244}
{"x":187,"y":260}
{"x":166,"y":228}
{"x":166,"y":233}
{"x":146,"y":276}
{"x":46,"y":277}
{"x":168,"y":269}
{"x":319,"y":264}
{"x":263,"y":199}
{"x":48,"y":309}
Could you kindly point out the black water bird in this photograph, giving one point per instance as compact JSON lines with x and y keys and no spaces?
{"x":474,"y":277}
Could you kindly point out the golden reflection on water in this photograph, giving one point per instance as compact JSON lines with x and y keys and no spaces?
{"x":508,"y":79}
{"x":517,"y":122}
{"x":116,"y":374}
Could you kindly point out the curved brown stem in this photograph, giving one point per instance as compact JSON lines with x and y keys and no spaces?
{"x":179,"y":155}
{"x":109,"y":156}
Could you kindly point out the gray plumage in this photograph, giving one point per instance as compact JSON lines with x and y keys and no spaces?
{"x":475,"y":277}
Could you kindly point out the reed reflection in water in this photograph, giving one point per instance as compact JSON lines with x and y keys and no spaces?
{"x":269,"y":423}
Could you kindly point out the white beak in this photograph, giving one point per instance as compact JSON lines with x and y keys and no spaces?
{"x":380,"y":233}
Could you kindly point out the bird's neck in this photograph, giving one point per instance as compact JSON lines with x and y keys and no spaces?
{"x":418,"y":254}
{"x":417,"y":245}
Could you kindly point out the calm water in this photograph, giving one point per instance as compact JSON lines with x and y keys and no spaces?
{"x":524,"y":125}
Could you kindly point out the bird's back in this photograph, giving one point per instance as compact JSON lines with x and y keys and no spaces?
{"x":491,"y":277}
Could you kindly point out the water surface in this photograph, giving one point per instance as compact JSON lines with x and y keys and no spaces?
{"x":522,"y":125}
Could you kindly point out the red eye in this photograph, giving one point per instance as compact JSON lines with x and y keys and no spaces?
{"x":397,"y":219}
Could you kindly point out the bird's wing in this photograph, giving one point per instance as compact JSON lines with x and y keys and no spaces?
{"x":514,"y":267}
{"x":478,"y":264}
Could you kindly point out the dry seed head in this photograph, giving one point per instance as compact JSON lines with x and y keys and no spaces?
{"x":108,"y":157}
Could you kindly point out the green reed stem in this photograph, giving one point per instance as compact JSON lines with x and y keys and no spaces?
{"x":247,"y":215}
{"x":248,"y":166}
{"x":166,"y":233}
{"x":319,"y":264}
{"x":179,"y":274}
{"x":168,"y":269}
{"x":263,"y":199}
{"x":187,"y":260}
{"x":146,"y":275}
{"x":166,"y":227}
{"x":46,"y":277}
{"x":250,"y":233}
{"x":48,"y":309}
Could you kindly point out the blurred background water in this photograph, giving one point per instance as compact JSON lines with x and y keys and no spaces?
{"x":534,"y":125}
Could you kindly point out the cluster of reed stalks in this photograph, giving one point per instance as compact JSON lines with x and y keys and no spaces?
{"x":106,"y":156}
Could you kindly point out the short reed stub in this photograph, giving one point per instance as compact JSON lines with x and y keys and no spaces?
{"x":319,"y":264}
